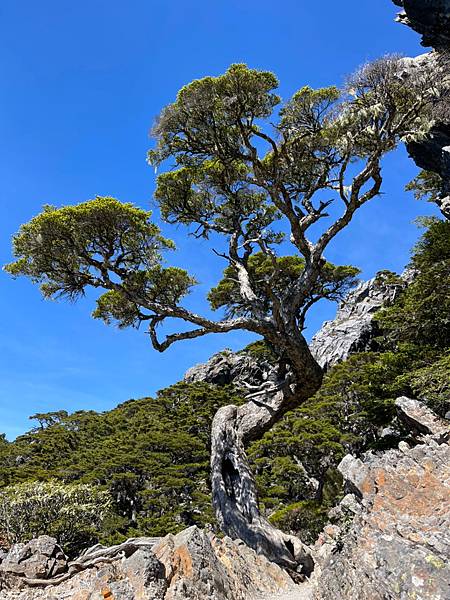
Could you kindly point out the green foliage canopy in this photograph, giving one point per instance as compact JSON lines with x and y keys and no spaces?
{"x":422,"y":314}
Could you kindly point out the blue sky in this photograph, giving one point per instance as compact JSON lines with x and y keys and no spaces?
{"x":80,"y":85}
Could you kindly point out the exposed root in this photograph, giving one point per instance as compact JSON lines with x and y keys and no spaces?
{"x":95,"y":555}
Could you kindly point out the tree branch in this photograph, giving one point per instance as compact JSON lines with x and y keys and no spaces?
{"x":215,"y":327}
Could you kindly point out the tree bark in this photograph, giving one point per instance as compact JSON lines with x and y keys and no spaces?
{"x":234,"y":492}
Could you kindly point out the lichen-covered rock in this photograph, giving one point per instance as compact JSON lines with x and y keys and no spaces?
{"x":398,"y":545}
{"x":353,"y":329}
{"x":420,"y":419}
{"x":200,"y":566}
{"x":355,"y":474}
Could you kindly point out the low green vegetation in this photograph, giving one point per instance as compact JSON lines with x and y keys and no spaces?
{"x":150,"y":455}
{"x":144,"y":466}
{"x":73,"y":513}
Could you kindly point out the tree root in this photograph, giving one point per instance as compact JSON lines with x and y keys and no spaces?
{"x":95,"y":555}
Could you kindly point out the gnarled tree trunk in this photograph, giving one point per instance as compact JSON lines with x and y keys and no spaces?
{"x":235,"y":497}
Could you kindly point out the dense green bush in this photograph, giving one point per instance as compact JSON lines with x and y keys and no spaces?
{"x":306,"y":519}
{"x":432,"y":384}
{"x":73,"y":514}
{"x":421,"y":316}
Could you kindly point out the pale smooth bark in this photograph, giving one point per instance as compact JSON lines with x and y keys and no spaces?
{"x":235,"y":496}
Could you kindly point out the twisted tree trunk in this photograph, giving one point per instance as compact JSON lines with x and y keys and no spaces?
{"x":235,"y":497}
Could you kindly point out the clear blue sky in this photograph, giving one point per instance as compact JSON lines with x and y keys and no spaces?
{"x":80,"y":84}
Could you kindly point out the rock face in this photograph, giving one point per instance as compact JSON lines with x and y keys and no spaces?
{"x":201,"y":566}
{"x":40,"y":558}
{"x":433,"y":154}
{"x":418,"y":418}
{"x":398,"y":544}
{"x":430,"y":18}
{"x":240,"y":369}
{"x":353,"y":328}
{"x":192,"y":565}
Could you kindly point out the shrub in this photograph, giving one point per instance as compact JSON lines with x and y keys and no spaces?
{"x":306,"y":519}
{"x":431,"y":384}
{"x":71,"y":513}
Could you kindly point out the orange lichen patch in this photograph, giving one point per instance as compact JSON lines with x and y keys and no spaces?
{"x":182,"y":562}
{"x":226,"y":561}
{"x":418,"y":497}
{"x":367,"y":487}
{"x":107,"y":594}
{"x":378,"y":518}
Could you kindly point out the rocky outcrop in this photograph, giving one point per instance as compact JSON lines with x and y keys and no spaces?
{"x":192,"y":565}
{"x":40,"y":558}
{"x":392,"y":538}
{"x":419,"y":419}
{"x":241,"y":369}
{"x":200,"y":566}
{"x":353,"y":329}
{"x":430,"y":18}
{"x":433,"y":154}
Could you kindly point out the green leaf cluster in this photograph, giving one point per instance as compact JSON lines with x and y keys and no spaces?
{"x":62,"y":248}
{"x":426,"y":186}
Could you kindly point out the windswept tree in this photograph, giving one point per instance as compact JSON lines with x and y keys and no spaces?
{"x":261,"y":176}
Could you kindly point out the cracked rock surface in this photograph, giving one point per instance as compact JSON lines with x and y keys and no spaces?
{"x":192,"y":565}
{"x":238,"y":368}
{"x":398,"y":544}
{"x":430,"y":18}
{"x":353,"y":329}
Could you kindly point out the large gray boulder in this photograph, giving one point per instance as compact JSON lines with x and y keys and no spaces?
{"x":40,"y":558}
{"x":241,"y":369}
{"x":420,"y":419}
